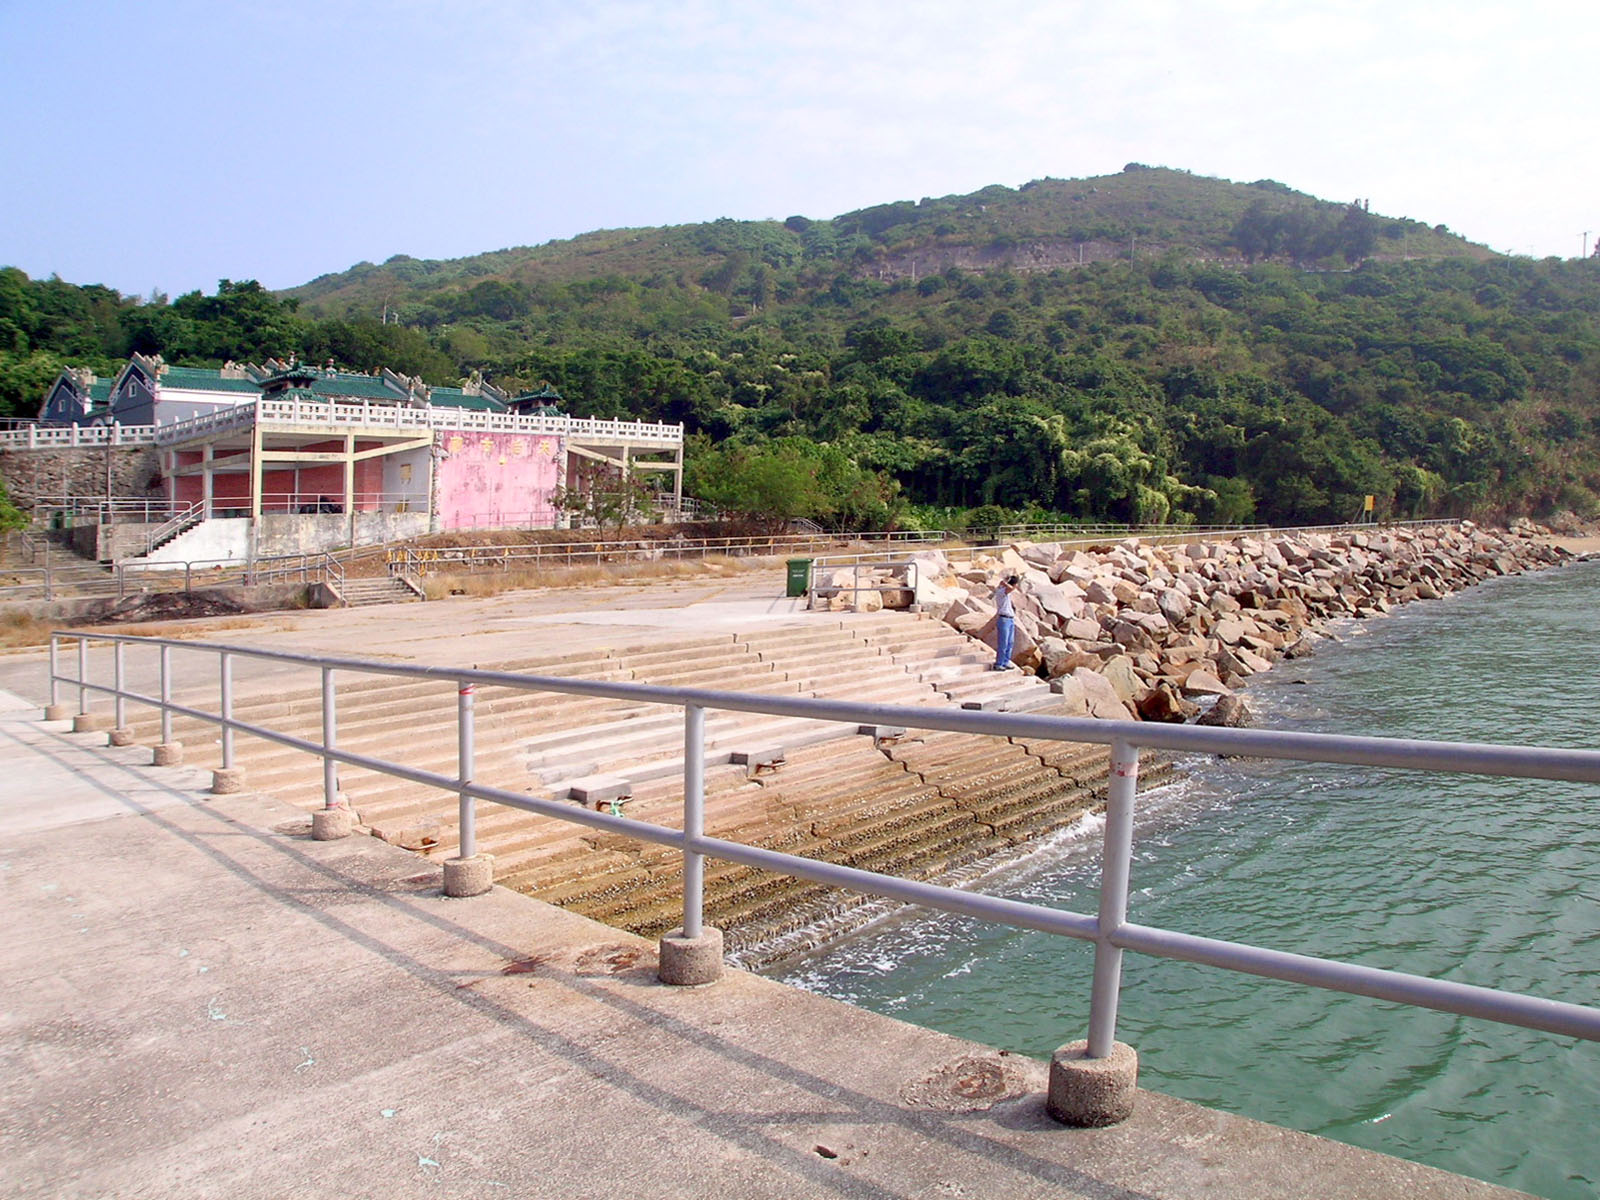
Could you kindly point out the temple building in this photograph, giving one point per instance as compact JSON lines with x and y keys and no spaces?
{"x":253,"y":461}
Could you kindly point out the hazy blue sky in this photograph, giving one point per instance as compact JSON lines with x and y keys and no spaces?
{"x":170,"y":143}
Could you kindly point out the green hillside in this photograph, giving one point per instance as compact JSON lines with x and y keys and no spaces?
{"x":1146,"y":346}
{"x":1141,"y":212}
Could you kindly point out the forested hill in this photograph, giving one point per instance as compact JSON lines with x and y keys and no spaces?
{"x":1147,"y":346}
{"x":1142,"y":212}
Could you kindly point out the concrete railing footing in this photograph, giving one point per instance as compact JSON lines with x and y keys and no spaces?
{"x":331,"y":824}
{"x":227,"y":780}
{"x":120,"y":737}
{"x":92,"y":722}
{"x":167,"y":754}
{"x":58,"y":712}
{"x":690,"y":962}
{"x":1092,"y":1092}
{"x":469,"y":876}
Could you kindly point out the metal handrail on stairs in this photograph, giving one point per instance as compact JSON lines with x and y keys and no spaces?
{"x":174,"y":525}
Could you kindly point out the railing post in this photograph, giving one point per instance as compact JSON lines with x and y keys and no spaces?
{"x":225,"y":697}
{"x":1092,"y":1082}
{"x":466,"y":765}
{"x":55,"y":710}
{"x":469,"y":873}
{"x":119,"y":704}
{"x":330,"y":733}
{"x":83,"y":675}
{"x":228,"y":777}
{"x":166,"y":693}
{"x":694,"y":817}
{"x":693,"y":954}
{"x":1114,"y":872}
{"x":334,"y":819}
{"x":167,"y":753}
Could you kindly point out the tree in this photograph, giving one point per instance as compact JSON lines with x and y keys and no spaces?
{"x":600,"y":496}
{"x":11,"y":517}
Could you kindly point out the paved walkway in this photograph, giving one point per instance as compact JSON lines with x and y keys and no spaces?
{"x":200,"y":1001}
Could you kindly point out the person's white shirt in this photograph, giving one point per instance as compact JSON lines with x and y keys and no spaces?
{"x":1002,"y":600}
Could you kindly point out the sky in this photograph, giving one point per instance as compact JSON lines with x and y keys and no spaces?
{"x":167,"y":144}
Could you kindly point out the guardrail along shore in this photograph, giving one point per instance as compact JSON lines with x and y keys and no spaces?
{"x":1092,"y":1077}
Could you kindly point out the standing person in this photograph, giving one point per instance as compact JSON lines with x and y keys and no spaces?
{"x":1005,"y":622}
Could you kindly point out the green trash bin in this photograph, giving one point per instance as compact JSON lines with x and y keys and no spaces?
{"x":799,"y":576}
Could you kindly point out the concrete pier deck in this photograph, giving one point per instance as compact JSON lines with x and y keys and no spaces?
{"x":201,"y":1001}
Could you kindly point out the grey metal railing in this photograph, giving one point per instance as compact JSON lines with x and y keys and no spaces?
{"x":1099,"y":532}
{"x":187,"y":575}
{"x":177,"y":523}
{"x":429,"y":560}
{"x":907,"y":570}
{"x":1109,"y":929}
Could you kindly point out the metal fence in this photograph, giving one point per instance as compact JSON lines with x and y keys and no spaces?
{"x":1092,"y":532}
{"x":1109,"y":929}
{"x":432,"y":560}
{"x":898,"y":576}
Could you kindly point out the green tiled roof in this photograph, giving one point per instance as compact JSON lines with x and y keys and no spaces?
{"x":369,"y":387}
{"x":447,"y":397}
{"x":205,"y":379}
{"x":100,"y":391}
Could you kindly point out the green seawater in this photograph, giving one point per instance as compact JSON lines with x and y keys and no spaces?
{"x":1487,"y":881}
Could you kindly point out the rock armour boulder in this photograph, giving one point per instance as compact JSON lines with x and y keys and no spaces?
{"x":1136,"y":629}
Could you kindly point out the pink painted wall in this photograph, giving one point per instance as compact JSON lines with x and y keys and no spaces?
{"x":488,"y":480}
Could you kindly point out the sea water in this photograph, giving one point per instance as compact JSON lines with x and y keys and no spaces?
{"x":1485,"y":881}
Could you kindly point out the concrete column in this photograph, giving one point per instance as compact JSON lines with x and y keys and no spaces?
{"x":207,"y":453}
{"x":433,"y":499}
{"x":350,"y":485}
{"x":255,"y":472}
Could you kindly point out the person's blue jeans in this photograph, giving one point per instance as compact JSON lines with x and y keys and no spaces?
{"x":1005,"y":632}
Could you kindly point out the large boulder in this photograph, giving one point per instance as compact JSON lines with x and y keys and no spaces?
{"x":1063,"y":602}
{"x":1100,"y":697}
{"x":1201,"y":682}
{"x":1074,"y":702}
{"x":1229,"y":712}
{"x":1174,"y":605}
{"x":1162,"y":703}
{"x":1124,"y":680}
{"x":1082,"y":629}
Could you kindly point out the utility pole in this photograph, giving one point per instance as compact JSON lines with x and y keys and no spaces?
{"x":1585,"y":253}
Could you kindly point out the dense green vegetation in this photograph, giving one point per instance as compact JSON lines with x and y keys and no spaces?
{"x":1224,"y":352}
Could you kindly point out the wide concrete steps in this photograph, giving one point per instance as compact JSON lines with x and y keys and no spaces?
{"x":920,"y":809}
{"x":377,"y":589}
{"x":932,"y":803}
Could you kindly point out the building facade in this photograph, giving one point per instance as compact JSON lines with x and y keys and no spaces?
{"x":298,"y":457}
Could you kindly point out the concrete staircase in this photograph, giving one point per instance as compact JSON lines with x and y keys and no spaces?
{"x":919,"y":807}
{"x":376,"y":589}
{"x":70,"y":574}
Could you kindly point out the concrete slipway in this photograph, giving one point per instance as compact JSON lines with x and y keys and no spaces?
{"x":201,"y":1001}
